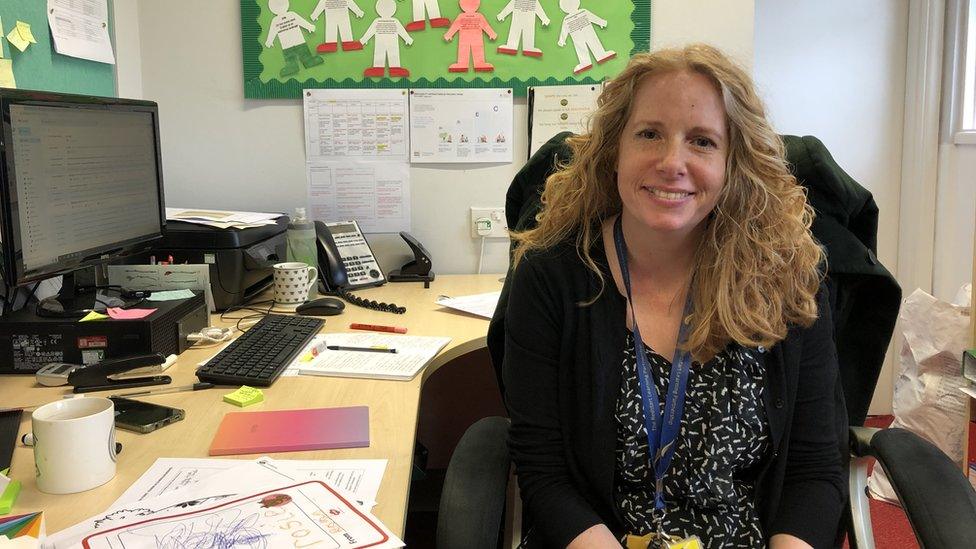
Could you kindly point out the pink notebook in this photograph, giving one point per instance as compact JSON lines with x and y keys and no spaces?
{"x":291,"y":431}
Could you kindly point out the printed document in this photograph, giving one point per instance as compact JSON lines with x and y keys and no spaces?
{"x":80,"y":29}
{"x":163,"y":277}
{"x":461,"y":125}
{"x":360,"y":477}
{"x":482,"y":305}
{"x":375,"y":194}
{"x":554,"y":109}
{"x":248,"y":501}
{"x":355,"y":124}
{"x":412,"y":354}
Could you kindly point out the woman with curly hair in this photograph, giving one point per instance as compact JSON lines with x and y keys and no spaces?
{"x":670,"y":368}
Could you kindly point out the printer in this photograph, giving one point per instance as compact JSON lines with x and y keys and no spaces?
{"x":241,"y":260}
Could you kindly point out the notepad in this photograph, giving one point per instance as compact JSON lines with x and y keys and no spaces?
{"x":291,"y":431}
{"x":413,"y":353}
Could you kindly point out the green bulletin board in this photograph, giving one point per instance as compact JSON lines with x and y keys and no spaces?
{"x":626,"y":31}
{"x":40,"y":67}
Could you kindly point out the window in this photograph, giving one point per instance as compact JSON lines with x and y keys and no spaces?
{"x":969,"y":74}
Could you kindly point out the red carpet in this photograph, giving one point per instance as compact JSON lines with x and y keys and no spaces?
{"x":891,"y":527}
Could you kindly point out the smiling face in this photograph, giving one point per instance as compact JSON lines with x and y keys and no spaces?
{"x":672,"y":154}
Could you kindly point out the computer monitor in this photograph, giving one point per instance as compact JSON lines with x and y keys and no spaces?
{"x":80,"y":182}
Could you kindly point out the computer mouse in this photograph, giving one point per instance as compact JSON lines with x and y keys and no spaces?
{"x":323,"y":306}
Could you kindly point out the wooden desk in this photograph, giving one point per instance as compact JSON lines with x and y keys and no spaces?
{"x":392,"y":406}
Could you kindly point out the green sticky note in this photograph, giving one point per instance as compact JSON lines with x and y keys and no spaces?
{"x":245,"y":396}
{"x":9,"y":497}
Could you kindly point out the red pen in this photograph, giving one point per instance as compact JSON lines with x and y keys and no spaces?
{"x":378,"y":328}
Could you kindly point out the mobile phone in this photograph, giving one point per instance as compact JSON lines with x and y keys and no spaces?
{"x":143,"y":417}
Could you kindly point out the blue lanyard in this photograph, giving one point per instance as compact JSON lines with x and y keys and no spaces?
{"x":662,"y":432}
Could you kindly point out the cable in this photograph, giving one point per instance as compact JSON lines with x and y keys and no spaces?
{"x":368,"y":303}
{"x":481,"y":256}
{"x":211,"y":335}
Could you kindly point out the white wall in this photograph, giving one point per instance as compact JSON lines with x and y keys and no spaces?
{"x":835,"y":69}
{"x":222,"y":151}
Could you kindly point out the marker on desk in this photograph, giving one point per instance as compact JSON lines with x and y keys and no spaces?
{"x":314,"y":352}
{"x":362,"y":349}
{"x":378,"y":328}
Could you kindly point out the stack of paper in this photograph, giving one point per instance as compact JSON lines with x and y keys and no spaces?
{"x":183,"y":503}
{"x":222,"y":219}
{"x":408,"y":355}
{"x":22,"y":530}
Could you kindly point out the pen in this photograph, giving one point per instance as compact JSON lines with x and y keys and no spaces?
{"x":365,"y":349}
{"x":194,"y":387}
{"x":378,"y":328}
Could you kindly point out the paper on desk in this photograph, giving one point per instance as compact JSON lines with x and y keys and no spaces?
{"x":482,"y":305}
{"x":170,"y":295}
{"x":163,"y":277}
{"x":219,"y":217}
{"x":222,"y":488}
{"x":361,"y":477}
{"x":413,"y":354}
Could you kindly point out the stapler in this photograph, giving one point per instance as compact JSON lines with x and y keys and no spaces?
{"x":96,"y":377}
{"x":417,"y":270}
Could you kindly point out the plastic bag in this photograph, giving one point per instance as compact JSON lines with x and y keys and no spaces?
{"x":927,"y":398}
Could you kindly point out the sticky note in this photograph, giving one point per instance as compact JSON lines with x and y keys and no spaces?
{"x":16,"y":41}
{"x":245,"y":396}
{"x":25,"y":32}
{"x":7,"y":74}
{"x":93,"y":316}
{"x":9,"y":496}
{"x":119,"y":313}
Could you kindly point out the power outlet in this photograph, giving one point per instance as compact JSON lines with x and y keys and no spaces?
{"x":491,"y":220}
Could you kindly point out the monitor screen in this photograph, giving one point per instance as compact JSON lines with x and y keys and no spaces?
{"x":82,"y":184}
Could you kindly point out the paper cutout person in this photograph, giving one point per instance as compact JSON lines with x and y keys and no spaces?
{"x":471,"y":25}
{"x":578,"y":24}
{"x":337,"y":19}
{"x":388,"y":31}
{"x":433,"y":11}
{"x":287,"y":27}
{"x":523,"y":13}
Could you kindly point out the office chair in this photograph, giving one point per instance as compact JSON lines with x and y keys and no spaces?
{"x":938,"y":499}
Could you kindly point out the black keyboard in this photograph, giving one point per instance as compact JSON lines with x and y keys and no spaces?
{"x":259,"y":355}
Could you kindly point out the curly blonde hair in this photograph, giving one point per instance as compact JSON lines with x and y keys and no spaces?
{"x":758,"y":267}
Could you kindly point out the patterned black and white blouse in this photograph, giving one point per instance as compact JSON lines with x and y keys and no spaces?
{"x":724,"y":437}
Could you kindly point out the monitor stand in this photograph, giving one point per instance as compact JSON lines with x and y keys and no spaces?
{"x":75,"y":299}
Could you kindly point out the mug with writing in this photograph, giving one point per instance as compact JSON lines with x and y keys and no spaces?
{"x":292,"y":282}
{"x":74,"y":444}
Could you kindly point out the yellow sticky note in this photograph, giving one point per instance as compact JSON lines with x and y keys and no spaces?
{"x":245,"y":396}
{"x":25,"y":32}
{"x":93,"y":316}
{"x":7,"y":74}
{"x":16,"y":41}
{"x":1,"y":41}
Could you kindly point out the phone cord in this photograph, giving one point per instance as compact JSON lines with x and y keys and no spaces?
{"x":368,"y":303}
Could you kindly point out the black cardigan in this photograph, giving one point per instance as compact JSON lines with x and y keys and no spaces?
{"x":562,"y":375}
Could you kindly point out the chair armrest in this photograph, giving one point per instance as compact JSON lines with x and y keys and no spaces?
{"x":939,"y":501}
{"x":473,"y":499}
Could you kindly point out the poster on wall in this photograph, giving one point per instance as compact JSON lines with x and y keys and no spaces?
{"x":291,"y":45}
{"x":461,"y":126}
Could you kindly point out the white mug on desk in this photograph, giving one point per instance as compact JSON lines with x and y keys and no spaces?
{"x":292,"y":281}
{"x":74,"y":444}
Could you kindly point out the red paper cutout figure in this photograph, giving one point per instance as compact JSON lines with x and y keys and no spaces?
{"x":388,"y":31}
{"x":337,"y":19}
{"x":471,"y":25}
{"x":433,"y":11}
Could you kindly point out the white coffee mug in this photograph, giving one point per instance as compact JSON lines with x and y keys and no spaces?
{"x":74,"y":444}
{"x":292,"y":282}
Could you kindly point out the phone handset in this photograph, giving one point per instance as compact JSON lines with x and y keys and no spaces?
{"x":333,"y":277}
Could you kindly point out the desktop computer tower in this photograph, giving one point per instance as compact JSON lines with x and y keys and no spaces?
{"x":28,"y":341}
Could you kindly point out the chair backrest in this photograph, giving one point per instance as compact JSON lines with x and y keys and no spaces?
{"x":864,"y":296}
